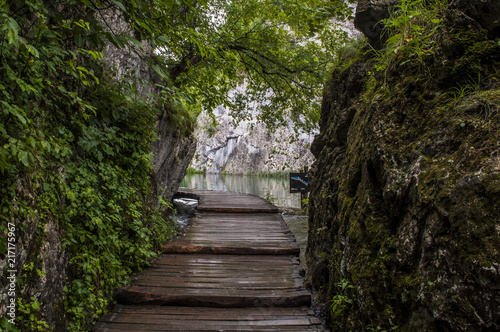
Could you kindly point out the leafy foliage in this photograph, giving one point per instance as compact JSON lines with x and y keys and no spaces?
{"x":281,"y":51}
{"x":74,"y":152}
{"x":341,"y":301}
{"x":412,"y":31}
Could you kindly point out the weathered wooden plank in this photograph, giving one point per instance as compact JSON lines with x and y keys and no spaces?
{"x":235,"y":272}
{"x":234,"y":292}
{"x":180,"y":320}
{"x":223,"y":298}
{"x":161,"y":318}
{"x":234,"y":285}
{"x":209,"y":216}
{"x":232,"y":250}
{"x":250,"y":278}
{"x":243,"y":241}
{"x":227,"y":268}
{"x":236,"y":269}
{"x":244,"y":236}
{"x":151,"y":328}
{"x":218,"y":275}
{"x":214,"y":269}
{"x":265,"y":267}
{"x":237,"y":243}
{"x":222,"y":271}
{"x":249,"y":259}
{"x":227,"y":313}
{"x":236,"y":209}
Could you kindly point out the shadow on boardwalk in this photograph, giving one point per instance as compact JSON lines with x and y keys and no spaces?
{"x":236,"y":269}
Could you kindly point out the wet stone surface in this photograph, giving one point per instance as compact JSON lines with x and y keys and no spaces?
{"x":185,"y":208}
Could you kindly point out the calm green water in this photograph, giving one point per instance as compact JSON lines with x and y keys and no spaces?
{"x":274,"y":189}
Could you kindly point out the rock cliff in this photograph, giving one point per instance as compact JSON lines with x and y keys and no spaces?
{"x":174,"y":149}
{"x":405,"y":200}
{"x":249,"y":147}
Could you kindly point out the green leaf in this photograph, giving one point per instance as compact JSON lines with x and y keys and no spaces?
{"x":13,"y":30}
{"x":82,"y":69}
{"x":158,"y":70}
{"x":6,"y":326}
{"x":120,"y":5}
{"x":394,"y":39}
{"x":33,"y":51}
{"x":145,"y":27}
{"x":79,"y":40}
{"x":117,"y":41}
{"x":82,"y":24}
{"x":71,"y":195}
{"x":24,"y":158}
{"x":135,"y":41}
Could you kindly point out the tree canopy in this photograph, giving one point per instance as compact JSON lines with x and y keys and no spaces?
{"x":281,"y":50}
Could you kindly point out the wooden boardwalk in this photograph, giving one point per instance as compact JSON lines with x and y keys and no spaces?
{"x":236,"y":269}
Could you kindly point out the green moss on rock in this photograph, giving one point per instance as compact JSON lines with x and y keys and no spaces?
{"x":407,"y":183}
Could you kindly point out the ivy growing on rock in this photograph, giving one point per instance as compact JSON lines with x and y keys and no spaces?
{"x":75,"y":166}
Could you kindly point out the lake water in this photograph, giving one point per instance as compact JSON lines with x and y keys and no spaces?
{"x":274,"y":189}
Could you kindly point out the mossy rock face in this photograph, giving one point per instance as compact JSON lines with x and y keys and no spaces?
{"x":479,"y":55}
{"x":405,"y":194}
{"x":484,"y":13}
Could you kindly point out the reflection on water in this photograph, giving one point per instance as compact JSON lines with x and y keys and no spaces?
{"x":274,"y":189}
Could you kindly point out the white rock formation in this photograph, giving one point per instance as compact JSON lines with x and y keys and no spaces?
{"x":248,"y":147}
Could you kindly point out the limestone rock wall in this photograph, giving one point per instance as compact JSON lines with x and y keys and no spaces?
{"x":404,"y":219}
{"x":369,"y":13}
{"x":172,"y":154}
{"x":248,"y":147}
{"x":173,"y":150}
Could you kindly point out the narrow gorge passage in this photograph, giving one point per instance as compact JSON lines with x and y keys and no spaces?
{"x":236,"y":269}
